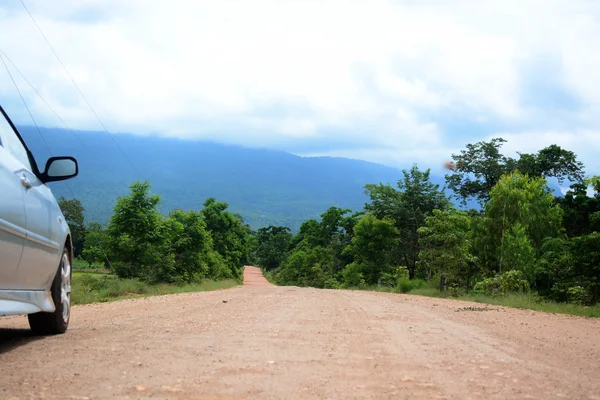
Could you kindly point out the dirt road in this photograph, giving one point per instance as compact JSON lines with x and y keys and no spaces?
{"x":286,"y":342}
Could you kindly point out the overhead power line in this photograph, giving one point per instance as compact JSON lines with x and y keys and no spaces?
{"x":3,"y":54}
{"x":78,"y":89}
{"x":2,"y":57}
{"x":25,"y":103}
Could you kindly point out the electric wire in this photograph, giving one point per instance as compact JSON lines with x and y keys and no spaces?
{"x":2,"y":53}
{"x":79,"y":90}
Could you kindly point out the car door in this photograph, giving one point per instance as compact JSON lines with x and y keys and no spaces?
{"x":12,"y":213}
{"x":39,"y":259}
{"x":42,"y":251}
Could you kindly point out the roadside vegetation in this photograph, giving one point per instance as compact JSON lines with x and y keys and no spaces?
{"x":143,"y":253}
{"x":96,"y":287}
{"x":519,"y":245}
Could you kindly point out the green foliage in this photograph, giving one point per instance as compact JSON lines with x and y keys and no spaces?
{"x":92,"y":288}
{"x":480,"y":167}
{"x":192,"y":249}
{"x":373,"y":246}
{"x":519,"y":216}
{"x":594,"y":181}
{"x":405,"y":285}
{"x":518,"y":253}
{"x":578,"y":295}
{"x":229,"y":235}
{"x":389,"y":279}
{"x":585,"y":251}
{"x":95,"y":248}
{"x":185,"y":247}
{"x":73,"y":211}
{"x":331,"y":283}
{"x":273,"y":245}
{"x":307,"y":268}
{"x":524,"y":238}
{"x":353,"y":275}
{"x":407,"y":207}
{"x":137,"y":236}
{"x":580,"y":212}
{"x":330,"y":224}
{"x":508,"y":282}
{"x":518,"y":238}
{"x":446,"y":241}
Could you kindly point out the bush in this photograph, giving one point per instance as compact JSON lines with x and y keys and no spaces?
{"x":405,"y":285}
{"x":578,"y":295}
{"x":331,"y":283}
{"x":513,"y":282}
{"x":489,"y":286}
{"x":353,"y":276}
{"x":508,"y":282}
{"x":387,"y":279}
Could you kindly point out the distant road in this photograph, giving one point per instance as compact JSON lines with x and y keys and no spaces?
{"x":253,"y":277}
{"x":294,"y":343}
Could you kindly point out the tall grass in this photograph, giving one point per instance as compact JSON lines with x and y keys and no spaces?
{"x":102,"y":287}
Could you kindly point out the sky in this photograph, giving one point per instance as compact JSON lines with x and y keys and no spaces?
{"x":394,"y":82}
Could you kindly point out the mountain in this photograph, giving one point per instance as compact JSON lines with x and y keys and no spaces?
{"x":264,"y":186}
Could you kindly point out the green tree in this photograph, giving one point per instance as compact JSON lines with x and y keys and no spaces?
{"x":520,"y":210}
{"x":333,"y":234}
{"x":273,"y":246}
{"x":331,"y":224}
{"x":373,"y":247}
{"x":95,"y":248}
{"x":73,"y":211}
{"x":446,"y":240}
{"x":308,"y":235}
{"x":306,"y":268}
{"x":578,"y":210}
{"x":555,"y":268}
{"x":408,"y":206}
{"x":594,"y":181}
{"x":136,"y":233}
{"x":586,"y":265}
{"x":518,"y":254}
{"x":229,"y":235}
{"x":479,"y":168}
{"x":191,"y":245}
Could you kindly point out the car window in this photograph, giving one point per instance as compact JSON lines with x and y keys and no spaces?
{"x":10,"y":141}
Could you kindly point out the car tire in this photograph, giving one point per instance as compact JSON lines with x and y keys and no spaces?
{"x":52,"y":323}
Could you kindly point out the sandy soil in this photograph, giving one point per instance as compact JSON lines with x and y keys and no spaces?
{"x":262,"y":341}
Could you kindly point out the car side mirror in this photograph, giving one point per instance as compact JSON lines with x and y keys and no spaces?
{"x":60,"y":169}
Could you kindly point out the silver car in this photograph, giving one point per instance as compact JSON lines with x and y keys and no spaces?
{"x":35,"y":240}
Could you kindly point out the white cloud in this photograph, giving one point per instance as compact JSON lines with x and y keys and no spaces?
{"x":256,"y":72}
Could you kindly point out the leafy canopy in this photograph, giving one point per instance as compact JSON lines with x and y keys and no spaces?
{"x":480,"y":166}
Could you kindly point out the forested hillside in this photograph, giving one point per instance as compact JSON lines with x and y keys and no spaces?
{"x":410,"y":235}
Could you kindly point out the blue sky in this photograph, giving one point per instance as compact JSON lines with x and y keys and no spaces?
{"x":394,"y":82}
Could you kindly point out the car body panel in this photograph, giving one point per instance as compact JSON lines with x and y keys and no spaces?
{"x":13,"y":302}
{"x":46,"y":236}
{"x":12,"y":218}
{"x":33,"y":230}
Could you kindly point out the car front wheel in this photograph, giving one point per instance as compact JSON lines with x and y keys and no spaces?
{"x":58,"y":321}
